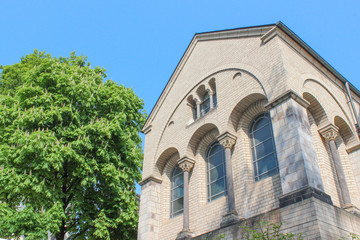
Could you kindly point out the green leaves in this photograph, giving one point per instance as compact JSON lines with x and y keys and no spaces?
{"x":69,"y":150}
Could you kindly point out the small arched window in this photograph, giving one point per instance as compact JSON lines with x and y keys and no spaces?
{"x":177,"y":191}
{"x":205,"y":105}
{"x":216,"y":172}
{"x":263,"y":147}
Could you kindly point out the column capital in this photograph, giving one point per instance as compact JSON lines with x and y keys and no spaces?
{"x":210,"y":91}
{"x":186,"y":164}
{"x":329,"y":132}
{"x":227,"y":140}
{"x":197,"y":101}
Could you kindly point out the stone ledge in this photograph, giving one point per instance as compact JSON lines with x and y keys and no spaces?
{"x":303,"y":194}
{"x":285,"y":96}
{"x":150,"y":179}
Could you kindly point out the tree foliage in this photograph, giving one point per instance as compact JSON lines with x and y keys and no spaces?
{"x":70,"y":152}
{"x":265,"y":230}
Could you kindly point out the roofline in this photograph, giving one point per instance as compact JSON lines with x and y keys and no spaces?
{"x":314,"y":54}
{"x":285,"y":29}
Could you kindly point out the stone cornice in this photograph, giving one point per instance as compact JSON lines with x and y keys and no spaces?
{"x":186,"y":164}
{"x":150,"y":179}
{"x":353,"y":148}
{"x":329,"y":132}
{"x":285,"y":96}
{"x":227,"y":140}
{"x":147,"y":129}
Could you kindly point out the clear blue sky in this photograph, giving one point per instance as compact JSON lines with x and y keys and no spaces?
{"x":141,"y":42}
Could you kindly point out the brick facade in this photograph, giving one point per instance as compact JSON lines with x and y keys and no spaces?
{"x":251,"y":71}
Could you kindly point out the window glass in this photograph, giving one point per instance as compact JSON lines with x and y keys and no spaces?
{"x":205,"y":105}
{"x":263,"y":147}
{"x":214,"y":100}
{"x":216,"y":172}
{"x":177,"y":192}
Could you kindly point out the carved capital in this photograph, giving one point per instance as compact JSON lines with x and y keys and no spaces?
{"x":197,"y":101}
{"x":186,"y":164}
{"x":227,"y":140}
{"x":329,"y":132}
{"x":210,"y":91}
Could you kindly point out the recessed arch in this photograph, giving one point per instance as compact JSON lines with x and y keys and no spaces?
{"x":201,"y":92}
{"x":345,"y":131}
{"x":199,"y":136}
{"x":316,"y":110}
{"x":164,"y":157}
{"x":242,"y":106}
{"x":324,"y":95}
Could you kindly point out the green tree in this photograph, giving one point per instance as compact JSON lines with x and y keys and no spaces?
{"x":265,"y":230}
{"x":70,"y":151}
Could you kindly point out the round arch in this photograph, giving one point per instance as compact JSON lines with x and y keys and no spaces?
{"x":243,"y":106}
{"x":203,"y":134}
{"x":164,"y":157}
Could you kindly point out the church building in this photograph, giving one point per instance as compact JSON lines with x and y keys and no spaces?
{"x":252,"y":126}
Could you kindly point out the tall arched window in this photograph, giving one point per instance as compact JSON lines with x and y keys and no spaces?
{"x":263,"y":147}
{"x":216,"y":172}
{"x":177,"y":191}
{"x":205,"y":105}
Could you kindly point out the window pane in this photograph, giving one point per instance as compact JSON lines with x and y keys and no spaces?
{"x":268,"y":174}
{"x":217,"y":173}
{"x":177,"y":171}
{"x":264,"y":148}
{"x":178,"y":205}
{"x":262,"y":134}
{"x":178,"y":192}
{"x":218,"y":187}
{"x":216,"y":159}
{"x":261,"y":122}
{"x":178,"y":180}
{"x":205,"y":106}
{"x":214,"y":100}
{"x":266,"y":164}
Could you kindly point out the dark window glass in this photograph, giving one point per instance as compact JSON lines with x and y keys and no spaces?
{"x":216,"y":172}
{"x":177,"y":192}
{"x":214,"y":100}
{"x":205,"y":105}
{"x":263,"y":147}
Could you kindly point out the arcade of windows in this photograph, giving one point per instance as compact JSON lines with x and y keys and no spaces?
{"x":264,"y":162}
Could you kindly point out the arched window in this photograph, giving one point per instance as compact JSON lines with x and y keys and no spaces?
{"x":216,"y":172}
{"x":205,"y":105}
{"x":177,"y":191}
{"x":263,"y":147}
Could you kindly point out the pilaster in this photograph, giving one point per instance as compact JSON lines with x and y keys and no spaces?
{"x":149,"y":213}
{"x":296,"y":154}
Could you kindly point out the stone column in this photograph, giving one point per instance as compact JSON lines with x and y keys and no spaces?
{"x":186,"y":165}
{"x":211,"y":95}
{"x":329,"y":133}
{"x":197,"y":103}
{"x":228,"y":140}
{"x":149,"y":214}
{"x":298,"y":167}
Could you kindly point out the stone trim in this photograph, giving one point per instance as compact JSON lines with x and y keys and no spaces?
{"x":147,"y":130}
{"x":329,"y":132}
{"x":284,"y":97}
{"x":186,"y":164}
{"x":227,"y":140}
{"x":150,"y":179}
{"x":353,"y":148}
{"x":302,"y":194}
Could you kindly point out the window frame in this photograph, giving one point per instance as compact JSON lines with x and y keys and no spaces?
{"x":172,"y":191}
{"x":211,"y":197}
{"x":255,"y":159}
